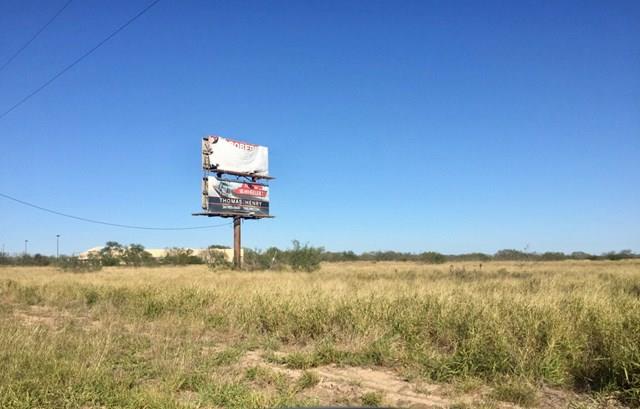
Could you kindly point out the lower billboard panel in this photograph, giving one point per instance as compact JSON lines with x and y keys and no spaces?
{"x":229,"y":197}
{"x":237,"y":206}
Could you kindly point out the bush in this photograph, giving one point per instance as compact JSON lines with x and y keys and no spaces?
{"x":553,"y":256}
{"x":339,"y":256}
{"x":216,"y":260}
{"x":26,"y":260}
{"x":135,"y":255}
{"x":269,"y":259}
{"x":512,"y":255}
{"x":432,"y":257}
{"x":304,"y":258}
{"x":178,"y":256}
{"x":372,"y":399}
{"x":76,"y":265}
{"x":111,"y":254}
{"x":516,"y":391}
{"x":308,"y":380}
{"x":621,"y":255}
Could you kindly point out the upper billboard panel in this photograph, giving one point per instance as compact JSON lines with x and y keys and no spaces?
{"x":222,"y":154}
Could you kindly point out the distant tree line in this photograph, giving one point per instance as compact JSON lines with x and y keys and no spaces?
{"x":300,"y":257}
{"x":502,"y":255}
{"x":112,"y":254}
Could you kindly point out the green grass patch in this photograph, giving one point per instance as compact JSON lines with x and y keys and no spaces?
{"x":308,"y":379}
{"x":372,"y":399}
{"x":515,"y":391}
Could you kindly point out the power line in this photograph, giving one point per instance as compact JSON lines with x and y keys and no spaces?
{"x":21,"y":49}
{"x":124,"y":226}
{"x":82,"y":57}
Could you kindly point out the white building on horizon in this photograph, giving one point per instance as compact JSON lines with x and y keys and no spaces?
{"x":160,"y":253}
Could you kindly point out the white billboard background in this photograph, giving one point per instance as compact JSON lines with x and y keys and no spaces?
{"x":226,"y":154}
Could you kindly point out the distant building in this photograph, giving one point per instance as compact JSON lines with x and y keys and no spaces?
{"x":160,"y":253}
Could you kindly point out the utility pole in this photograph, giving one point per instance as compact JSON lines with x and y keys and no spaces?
{"x":237,"y":247}
{"x":25,"y":247}
{"x":57,"y":246}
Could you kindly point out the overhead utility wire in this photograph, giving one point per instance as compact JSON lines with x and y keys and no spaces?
{"x":125,"y":226}
{"x":82,"y":57}
{"x":21,"y":49}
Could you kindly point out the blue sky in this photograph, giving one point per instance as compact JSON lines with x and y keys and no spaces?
{"x":445,"y":126}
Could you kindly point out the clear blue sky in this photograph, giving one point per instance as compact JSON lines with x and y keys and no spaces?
{"x":446,"y":126}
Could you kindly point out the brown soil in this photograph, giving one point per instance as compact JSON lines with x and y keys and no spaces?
{"x":343,"y":386}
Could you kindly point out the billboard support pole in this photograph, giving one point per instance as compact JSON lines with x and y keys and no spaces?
{"x":237,"y":248}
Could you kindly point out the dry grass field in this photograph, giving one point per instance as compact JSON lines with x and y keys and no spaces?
{"x":463,"y":335}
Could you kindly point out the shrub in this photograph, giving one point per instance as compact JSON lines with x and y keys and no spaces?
{"x":372,"y":399}
{"x":308,"y":380}
{"x":254,"y":260}
{"x":178,"y":256}
{"x":512,"y":255}
{"x":76,"y":265}
{"x":515,"y":391}
{"x":304,"y":258}
{"x":111,"y":254}
{"x":135,"y":255}
{"x":432,"y":257}
{"x":339,"y":256}
{"x":26,"y":259}
{"x":621,"y":255}
{"x":269,"y":259}
{"x":216,"y":260}
{"x":553,"y":256}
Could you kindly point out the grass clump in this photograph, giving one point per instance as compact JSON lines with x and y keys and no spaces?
{"x":227,"y":356}
{"x":308,"y":380}
{"x":233,"y":395}
{"x":372,"y":399}
{"x":515,"y":391}
{"x":326,"y":353}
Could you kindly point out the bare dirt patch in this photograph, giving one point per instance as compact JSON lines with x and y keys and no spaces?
{"x":37,"y":315}
{"x":347,"y":385}
{"x":51,"y":318}
{"x":394,"y":390}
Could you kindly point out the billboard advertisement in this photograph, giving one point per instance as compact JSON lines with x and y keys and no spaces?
{"x":234,"y":197}
{"x":223,"y":154}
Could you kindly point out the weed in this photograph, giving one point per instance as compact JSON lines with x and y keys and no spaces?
{"x":515,"y":391}
{"x":308,"y":380}
{"x":91,"y":296}
{"x":227,"y":356}
{"x":467,"y":385}
{"x":372,"y":399}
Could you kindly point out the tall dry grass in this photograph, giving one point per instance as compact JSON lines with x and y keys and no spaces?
{"x":160,"y":330}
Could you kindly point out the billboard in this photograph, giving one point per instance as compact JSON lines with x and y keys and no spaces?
{"x":222,"y":154}
{"x":234,"y":197}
